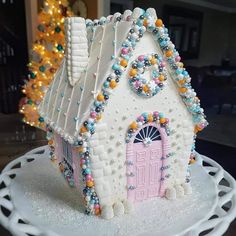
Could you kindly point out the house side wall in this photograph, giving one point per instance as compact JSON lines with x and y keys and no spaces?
{"x":76,"y":168}
{"x":124,"y":107}
{"x":58,"y":147}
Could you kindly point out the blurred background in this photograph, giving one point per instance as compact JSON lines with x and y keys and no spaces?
{"x":203,"y":31}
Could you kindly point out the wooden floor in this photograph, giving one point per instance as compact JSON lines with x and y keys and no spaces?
{"x":17,"y":138}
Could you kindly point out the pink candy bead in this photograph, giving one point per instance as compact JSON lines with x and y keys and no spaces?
{"x":141,"y":58}
{"x":88,"y":177}
{"x":93,"y":114}
{"x":167,"y":120}
{"x":124,"y":51}
{"x":96,"y":206}
{"x":137,"y":84}
{"x":202,"y":126}
{"x":163,"y":64}
{"x":141,"y":118}
{"x":178,"y":58}
{"x":155,"y":113}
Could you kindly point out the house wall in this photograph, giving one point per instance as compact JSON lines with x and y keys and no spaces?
{"x":109,"y":157}
{"x":59,"y":155}
{"x":58,"y":147}
{"x":218,"y":31}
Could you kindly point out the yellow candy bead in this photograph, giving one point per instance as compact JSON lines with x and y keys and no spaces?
{"x":159,"y":23}
{"x":90,"y":184}
{"x":153,"y":61}
{"x":99,"y":117}
{"x":79,"y":149}
{"x":123,"y":63}
{"x":100,"y":97}
{"x":162,"y":120}
{"x":113,"y":84}
{"x":150,"y":118}
{"x":133,"y":72}
{"x":182,"y":81}
{"x":197,"y":129}
{"x":61,"y":167}
{"x":169,"y":53}
{"x":133,"y":125}
{"x":161,"y":78}
{"x":97,"y":212}
{"x":50,"y":142}
{"x":145,"y":22}
{"x":183,"y":90}
{"x":145,"y":88}
{"x":181,"y":64}
{"x":83,"y":129}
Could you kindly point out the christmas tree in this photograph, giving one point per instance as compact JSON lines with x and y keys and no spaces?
{"x":47,"y":53}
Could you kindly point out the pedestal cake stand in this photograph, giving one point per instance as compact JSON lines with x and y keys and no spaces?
{"x":35,"y":200}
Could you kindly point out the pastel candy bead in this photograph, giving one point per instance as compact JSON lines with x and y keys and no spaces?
{"x":169,"y":53}
{"x":115,"y":67}
{"x":183,"y":90}
{"x":88,"y":177}
{"x":134,"y":125}
{"x":177,"y":58}
{"x":155,"y":113}
{"x":123,"y":63}
{"x":141,"y":118}
{"x":163,"y":64}
{"x":93,"y":114}
{"x":159,"y":23}
{"x":124,"y":51}
{"x":141,"y":58}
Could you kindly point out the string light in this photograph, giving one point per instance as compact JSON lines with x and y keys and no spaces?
{"x":47,"y":53}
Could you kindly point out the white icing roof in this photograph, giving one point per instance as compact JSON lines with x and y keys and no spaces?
{"x":87,"y":63}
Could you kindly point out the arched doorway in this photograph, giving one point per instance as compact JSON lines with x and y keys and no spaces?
{"x":146,"y":155}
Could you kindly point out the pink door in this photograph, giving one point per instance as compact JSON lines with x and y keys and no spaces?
{"x":145,"y":162}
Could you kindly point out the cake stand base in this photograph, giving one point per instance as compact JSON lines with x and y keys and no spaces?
{"x":36,"y":200}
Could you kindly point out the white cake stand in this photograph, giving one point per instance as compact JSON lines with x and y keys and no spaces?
{"x":35,"y":200}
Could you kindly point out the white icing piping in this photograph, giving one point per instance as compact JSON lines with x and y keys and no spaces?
{"x":57,"y":93}
{"x":62,"y":100}
{"x":93,"y":34}
{"x":43,"y":105}
{"x":78,"y":113}
{"x":68,"y":108}
{"x":51,"y":91}
{"x":98,"y":64}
